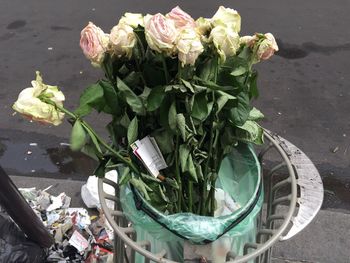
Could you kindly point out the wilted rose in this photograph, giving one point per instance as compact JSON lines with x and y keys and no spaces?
{"x":225,"y":40}
{"x":267,"y":47}
{"x":160,"y":33}
{"x":132,"y":19}
{"x":189,"y":46}
{"x":30,"y":102}
{"x":93,"y":42}
{"x":227,"y":17}
{"x":203,"y":25}
{"x":248,"y":40}
{"x":122,"y":40}
{"x":181,"y":18}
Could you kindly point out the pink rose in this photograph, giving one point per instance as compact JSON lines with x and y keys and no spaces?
{"x":160,"y":33}
{"x":181,"y":18}
{"x":267,"y":47}
{"x":93,"y":42}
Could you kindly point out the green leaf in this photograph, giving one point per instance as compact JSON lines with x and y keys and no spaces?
{"x":126,"y":176}
{"x":150,"y":178}
{"x":253,"y":88}
{"x":171,"y":182}
{"x":131,"y":98}
{"x":164,"y":140}
{"x":207,"y":69}
{"x":92,"y":97}
{"x":184,"y":153}
{"x":221,"y":101}
{"x":172,"y":116}
{"x":78,"y":136}
{"x":111,"y":97}
{"x":199,"y":171}
{"x":133,"y":130}
{"x":145,"y":93}
{"x":142,"y":187}
{"x":188,"y":85}
{"x":181,"y":125}
{"x":199,"y":106}
{"x":162,"y":195}
{"x":239,"y":114}
{"x":255,"y":115}
{"x":250,"y":132}
{"x":245,"y":53}
{"x":155,"y":98}
{"x":90,"y":150}
{"x":227,"y":95}
{"x":238,"y":71}
{"x":132,"y":79}
{"x":94,"y":140}
{"x":191,"y":169}
{"x":169,"y":88}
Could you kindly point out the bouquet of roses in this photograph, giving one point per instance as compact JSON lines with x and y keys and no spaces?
{"x":179,"y":93}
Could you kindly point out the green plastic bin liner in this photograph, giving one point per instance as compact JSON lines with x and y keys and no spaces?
{"x":239,"y":176}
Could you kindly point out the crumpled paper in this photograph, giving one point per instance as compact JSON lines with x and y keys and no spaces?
{"x":78,"y":237}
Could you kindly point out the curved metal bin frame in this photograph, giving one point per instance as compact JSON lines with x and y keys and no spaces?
{"x":272,"y":224}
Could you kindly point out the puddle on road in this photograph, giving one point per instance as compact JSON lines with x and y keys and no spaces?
{"x":22,"y":158}
{"x":293,"y":51}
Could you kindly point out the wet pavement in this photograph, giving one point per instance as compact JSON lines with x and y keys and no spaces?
{"x":304,"y":89}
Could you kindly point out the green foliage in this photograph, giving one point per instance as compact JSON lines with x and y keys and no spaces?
{"x":250,"y":131}
{"x":196,"y":114}
{"x":133,"y":130}
{"x":78,"y":136}
{"x":155,"y":98}
{"x":92,"y":97}
{"x":239,"y":114}
{"x":199,"y":108}
{"x":133,"y":101}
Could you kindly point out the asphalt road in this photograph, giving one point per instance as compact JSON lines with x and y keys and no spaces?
{"x":304,"y":89}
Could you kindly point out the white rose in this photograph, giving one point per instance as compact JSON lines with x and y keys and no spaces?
{"x":122,"y":40}
{"x":132,"y":19}
{"x":189,"y":46}
{"x":225,"y":40}
{"x":227,"y":17}
{"x":30,"y":104}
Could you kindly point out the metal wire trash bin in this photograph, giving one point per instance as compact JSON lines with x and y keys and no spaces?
{"x":281,"y":220}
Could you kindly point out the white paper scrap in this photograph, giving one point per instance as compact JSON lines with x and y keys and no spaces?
{"x":149,"y":153}
{"x":78,"y":241}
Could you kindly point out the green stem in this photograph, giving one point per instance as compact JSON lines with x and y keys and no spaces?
{"x":206,"y":171}
{"x":143,"y":56}
{"x":179,"y":71}
{"x":210,"y":197}
{"x":190,"y":197}
{"x":177,"y":171}
{"x":165,"y":69}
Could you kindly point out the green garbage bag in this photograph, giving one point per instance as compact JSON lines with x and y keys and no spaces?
{"x":239,"y":177}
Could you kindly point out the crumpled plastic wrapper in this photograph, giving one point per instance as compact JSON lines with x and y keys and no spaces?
{"x":78,"y":237}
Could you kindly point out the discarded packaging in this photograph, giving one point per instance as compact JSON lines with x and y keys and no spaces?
{"x":78,"y":237}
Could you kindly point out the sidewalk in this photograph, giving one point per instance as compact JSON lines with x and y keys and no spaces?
{"x":325,"y":240}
